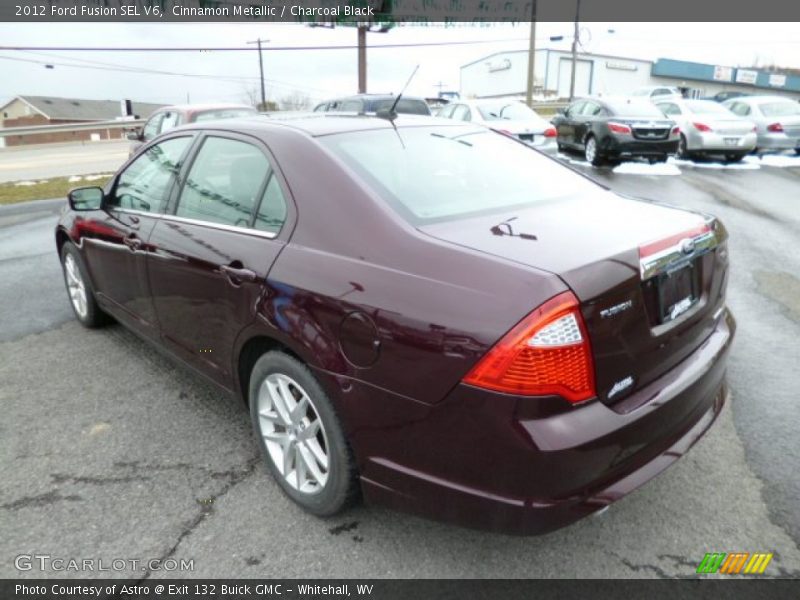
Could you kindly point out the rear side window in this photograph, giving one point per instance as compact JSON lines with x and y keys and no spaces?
{"x":407,"y":106}
{"x":153,"y":127}
{"x":228,"y":113}
{"x":432,"y":174}
{"x":271,"y":213}
{"x":224,"y":183}
{"x":144,"y":185}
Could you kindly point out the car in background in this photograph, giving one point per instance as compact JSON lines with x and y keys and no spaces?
{"x":777,"y":120}
{"x":510,"y":117}
{"x":727,"y":95}
{"x":612,"y":130}
{"x":420,"y":312}
{"x":373,"y":103}
{"x":169,"y":117}
{"x":707,"y":128}
{"x":657,"y":92}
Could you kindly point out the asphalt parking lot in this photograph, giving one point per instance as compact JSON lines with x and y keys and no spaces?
{"x":111,"y":451}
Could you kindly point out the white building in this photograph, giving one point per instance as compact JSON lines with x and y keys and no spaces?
{"x":506,"y":74}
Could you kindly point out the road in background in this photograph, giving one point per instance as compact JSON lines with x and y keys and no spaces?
{"x":111,"y":451}
{"x":34,"y":163}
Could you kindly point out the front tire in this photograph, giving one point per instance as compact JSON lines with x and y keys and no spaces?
{"x":683,"y":149}
{"x":300,"y":435}
{"x":79,"y":288}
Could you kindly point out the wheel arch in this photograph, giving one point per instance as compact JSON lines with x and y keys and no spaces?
{"x":253,"y":349}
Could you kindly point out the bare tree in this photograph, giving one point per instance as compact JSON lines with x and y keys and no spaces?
{"x":252,"y":96}
{"x":295,"y":101}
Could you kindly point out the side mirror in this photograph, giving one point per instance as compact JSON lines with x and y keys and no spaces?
{"x":135,"y":135}
{"x":86,"y":198}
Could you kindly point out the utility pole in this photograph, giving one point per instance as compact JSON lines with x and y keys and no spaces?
{"x":575,"y":50}
{"x":362,"y":59}
{"x":440,"y":86}
{"x":531,"y":57}
{"x":261,"y":71}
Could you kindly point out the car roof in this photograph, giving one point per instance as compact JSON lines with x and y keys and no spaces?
{"x":760,"y":99}
{"x":323,"y":123}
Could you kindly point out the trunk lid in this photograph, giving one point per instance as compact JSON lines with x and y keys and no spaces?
{"x":639,"y":320}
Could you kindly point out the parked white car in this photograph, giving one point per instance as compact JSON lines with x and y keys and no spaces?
{"x":511,"y":117}
{"x":707,"y":127}
{"x":657,"y":92}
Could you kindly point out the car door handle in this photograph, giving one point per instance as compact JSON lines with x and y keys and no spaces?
{"x":238,"y":274}
{"x":132,"y":242}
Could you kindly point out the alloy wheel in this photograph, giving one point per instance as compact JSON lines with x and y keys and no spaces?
{"x":293,"y":433}
{"x":591,"y":150}
{"x":76,"y":286}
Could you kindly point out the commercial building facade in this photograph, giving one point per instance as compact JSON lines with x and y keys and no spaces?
{"x":505,"y":74}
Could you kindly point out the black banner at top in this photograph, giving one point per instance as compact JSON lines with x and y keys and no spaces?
{"x":388,"y":11}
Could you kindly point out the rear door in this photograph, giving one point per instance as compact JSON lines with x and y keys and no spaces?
{"x":565,"y":125}
{"x":213,"y":249}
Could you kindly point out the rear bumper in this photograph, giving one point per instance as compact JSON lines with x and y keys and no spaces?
{"x":490,"y":461}
{"x":713,"y":142}
{"x":624,"y":148}
{"x":777,"y":141}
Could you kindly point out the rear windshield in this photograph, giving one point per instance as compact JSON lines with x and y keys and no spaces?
{"x":430,"y":174}
{"x":706,"y":107}
{"x":515,"y":111}
{"x":408,"y":106}
{"x":226,"y":113}
{"x":637,"y":108}
{"x":780,"y":109}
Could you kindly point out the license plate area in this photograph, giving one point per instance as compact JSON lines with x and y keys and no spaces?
{"x":731,"y":141}
{"x":677,"y":290}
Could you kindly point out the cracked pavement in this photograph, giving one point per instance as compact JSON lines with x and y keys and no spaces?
{"x":109,"y":450}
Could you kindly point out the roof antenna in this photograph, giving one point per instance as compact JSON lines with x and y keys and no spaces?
{"x":390,"y":113}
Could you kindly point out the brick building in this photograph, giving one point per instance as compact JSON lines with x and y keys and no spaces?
{"x":25,"y":111}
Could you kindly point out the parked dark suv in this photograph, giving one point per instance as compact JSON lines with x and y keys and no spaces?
{"x":372,"y":103}
{"x":611,"y":130}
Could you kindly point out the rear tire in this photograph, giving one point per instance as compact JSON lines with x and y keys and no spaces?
{"x":300,"y":435}
{"x":79,"y":289}
{"x":683,"y":149}
{"x":797,"y":150}
{"x":591,"y":152}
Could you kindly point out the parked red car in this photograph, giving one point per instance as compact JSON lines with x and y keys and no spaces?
{"x":169,"y":117}
{"x":429,"y":313}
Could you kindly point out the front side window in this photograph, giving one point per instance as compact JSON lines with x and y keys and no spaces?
{"x":144,"y":185}
{"x":224,"y":183}
{"x":432,"y":174}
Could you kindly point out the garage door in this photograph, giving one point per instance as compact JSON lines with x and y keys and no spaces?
{"x":583,"y":77}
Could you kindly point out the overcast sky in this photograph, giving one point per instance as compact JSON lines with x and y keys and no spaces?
{"x":320,"y":74}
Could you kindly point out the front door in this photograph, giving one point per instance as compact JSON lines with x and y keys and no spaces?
{"x":211,"y":253}
{"x":116,"y":243}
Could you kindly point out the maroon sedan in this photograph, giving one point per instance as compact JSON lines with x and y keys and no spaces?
{"x":427,"y":313}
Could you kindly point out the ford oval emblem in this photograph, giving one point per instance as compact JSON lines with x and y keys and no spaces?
{"x":687,"y":246}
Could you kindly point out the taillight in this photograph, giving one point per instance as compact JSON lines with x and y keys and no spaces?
{"x":775,"y":128}
{"x":618,"y":127}
{"x":701,"y":127}
{"x":676,"y":130}
{"x":550,"y":132}
{"x":546,"y":353}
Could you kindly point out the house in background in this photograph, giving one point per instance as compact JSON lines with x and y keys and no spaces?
{"x":24,"y":111}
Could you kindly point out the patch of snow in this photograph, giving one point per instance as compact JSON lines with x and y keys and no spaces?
{"x":26,"y":183}
{"x":637,"y":168}
{"x":96,"y":177}
{"x":74,"y":178}
{"x":775,"y":160}
{"x":746,"y":166}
